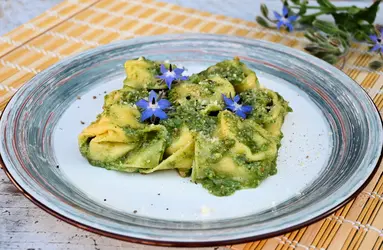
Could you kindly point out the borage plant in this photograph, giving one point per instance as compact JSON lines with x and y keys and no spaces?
{"x":329,"y":41}
{"x":154,"y":107}
{"x":170,"y":75}
{"x":235,"y":106}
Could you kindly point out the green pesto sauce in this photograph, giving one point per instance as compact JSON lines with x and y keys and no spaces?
{"x":191,"y":116}
{"x":219,"y":149}
{"x":198,"y":111}
{"x":185,"y":172}
{"x":245,"y":135}
{"x":132,"y":97}
{"x":261,"y":169}
{"x":221,"y":185}
{"x":230,"y":70}
{"x":261,"y":103}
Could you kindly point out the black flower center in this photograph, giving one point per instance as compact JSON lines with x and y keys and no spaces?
{"x":153,"y":101}
{"x":379,"y":40}
{"x":213,"y":113}
{"x":170,"y":68}
{"x":286,"y":16}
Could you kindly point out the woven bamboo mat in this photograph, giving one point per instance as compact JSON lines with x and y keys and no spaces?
{"x":77,"y":25}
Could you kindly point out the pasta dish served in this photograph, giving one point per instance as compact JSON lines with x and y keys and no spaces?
{"x":219,"y":126}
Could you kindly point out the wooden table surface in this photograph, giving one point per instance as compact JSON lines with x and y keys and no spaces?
{"x":25,"y":226}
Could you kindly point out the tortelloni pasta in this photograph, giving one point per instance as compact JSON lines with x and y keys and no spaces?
{"x":201,"y":136}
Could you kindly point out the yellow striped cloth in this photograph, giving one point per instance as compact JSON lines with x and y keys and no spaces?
{"x":77,"y":25}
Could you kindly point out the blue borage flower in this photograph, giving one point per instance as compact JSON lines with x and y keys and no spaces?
{"x":153,"y":107}
{"x":169,"y":75}
{"x":285,"y":19}
{"x":378,"y":40}
{"x":234,"y":106}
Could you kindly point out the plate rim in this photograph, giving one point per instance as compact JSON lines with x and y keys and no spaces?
{"x":169,"y":243}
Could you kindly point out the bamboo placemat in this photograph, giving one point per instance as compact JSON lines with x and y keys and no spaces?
{"x":77,"y":25}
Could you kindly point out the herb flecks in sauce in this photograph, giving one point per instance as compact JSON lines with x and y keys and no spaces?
{"x":199,"y":138}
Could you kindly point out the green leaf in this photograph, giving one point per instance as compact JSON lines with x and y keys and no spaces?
{"x":326,"y":27}
{"x":326,"y":4}
{"x":375,"y":65}
{"x":317,"y":50}
{"x":345,"y":42}
{"x":314,"y":48}
{"x":295,"y":1}
{"x":345,"y":21}
{"x":361,"y":20}
{"x":361,"y":35}
{"x":311,"y":36}
{"x":368,"y":14}
{"x":264,"y":10}
{"x":263,"y":22}
{"x":353,"y":10}
{"x":314,"y":36}
{"x":302,"y":10}
{"x":330,"y":28}
{"x":331,"y":59}
{"x":307,"y":19}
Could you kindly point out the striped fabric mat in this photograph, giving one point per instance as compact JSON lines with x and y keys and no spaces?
{"x":77,"y":25}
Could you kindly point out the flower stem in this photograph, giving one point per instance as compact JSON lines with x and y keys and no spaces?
{"x":343,"y":58}
{"x":319,"y":13}
{"x":160,"y":95}
{"x":320,"y":8}
{"x":152,"y":119}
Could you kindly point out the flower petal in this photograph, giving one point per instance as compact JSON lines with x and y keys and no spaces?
{"x":289,"y":26}
{"x":164,"y":104}
{"x":246,"y":109}
{"x":279,"y":24}
{"x":178,"y":71}
{"x":160,"y":114}
{"x":236,"y":98}
{"x":169,"y":81}
{"x":227,"y":101}
{"x":142,"y":103}
{"x":240,"y":114}
{"x":277,"y":15}
{"x":231,"y":108}
{"x":376,"y":47}
{"x":163,"y":69}
{"x":183,"y":78}
{"x":285,"y":10}
{"x":147,"y":114}
{"x":152,"y":95}
{"x":292,"y":18}
{"x":374,"y":38}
